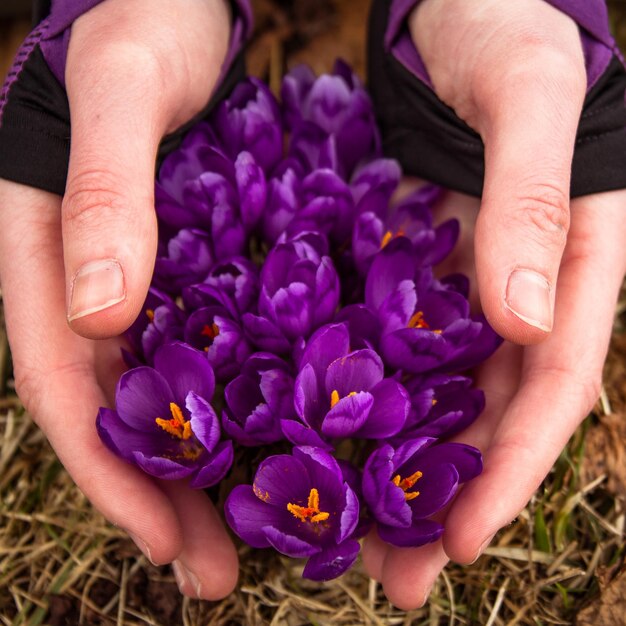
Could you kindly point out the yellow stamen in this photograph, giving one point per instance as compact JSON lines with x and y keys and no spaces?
{"x":311,"y":512}
{"x":150,"y":314}
{"x":177,"y":426}
{"x":334,"y":397}
{"x":388,"y":236}
{"x":407,"y":483}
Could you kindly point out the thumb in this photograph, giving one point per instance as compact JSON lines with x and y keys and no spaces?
{"x":515,"y":72}
{"x":529,"y":128}
{"x":127,"y":86}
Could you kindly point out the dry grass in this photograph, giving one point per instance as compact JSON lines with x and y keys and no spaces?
{"x":62,"y":563}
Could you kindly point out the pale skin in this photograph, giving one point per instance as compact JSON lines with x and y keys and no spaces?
{"x":539,"y":388}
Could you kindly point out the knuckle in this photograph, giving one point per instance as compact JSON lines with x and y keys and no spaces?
{"x":89,"y":194}
{"x":544,"y":211}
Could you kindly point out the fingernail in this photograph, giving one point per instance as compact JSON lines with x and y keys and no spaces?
{"x":143,"y":546}
{"x":528,"y":297}
{"x":96,"y":286}
{"x":483,"y":546}
{"x":186,"y":579}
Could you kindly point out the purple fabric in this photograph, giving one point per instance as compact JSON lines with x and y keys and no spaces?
{"x":56,"y":37}
{"x":590,"y":15}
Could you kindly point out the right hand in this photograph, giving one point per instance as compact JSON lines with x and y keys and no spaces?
{"x":136,"y":70}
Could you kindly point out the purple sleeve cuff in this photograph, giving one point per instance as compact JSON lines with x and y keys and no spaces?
{"x":56,"y":36}
{"x":590,"y":15}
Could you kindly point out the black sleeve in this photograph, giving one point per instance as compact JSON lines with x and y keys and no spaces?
{"x":431,"y":142}
{"x":35,"y":121}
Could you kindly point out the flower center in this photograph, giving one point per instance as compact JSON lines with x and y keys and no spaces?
{"x":407,"y":483}
{"x":335,"y":397}
{"x":311,"y":512}
{"x":177,"y":426}
{"x":211,"y":332}
{"x":417,"y":321}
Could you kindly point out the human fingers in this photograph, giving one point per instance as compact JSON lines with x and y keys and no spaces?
{"x":207,"y":566}
{"x":134,"y":73}
{"x":54,"y":373}
{"x":520,"y":82}
{"x":559,"y":382}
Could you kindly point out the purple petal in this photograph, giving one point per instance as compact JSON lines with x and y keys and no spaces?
{"x":247,"y":516}
{"x":215,"y":468}
{"x":142,"y":395}
{"x":288,"y":544}
{"x":331,"y":562}
{"x":280,"y":478}
{"x":186,"y":370}
{"x":160,"y":467}
{"x":357,"y":371}
{"x":348,"y":415}
{"x":204,"y":422}
{"x":423,"y":531}
{"x":389,"y":411}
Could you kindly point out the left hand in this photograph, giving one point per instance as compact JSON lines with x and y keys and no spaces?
{"x":515,"y":73}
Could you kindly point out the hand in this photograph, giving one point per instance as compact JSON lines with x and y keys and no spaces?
{"x":515,"y":73}
{"x":135,"y":72}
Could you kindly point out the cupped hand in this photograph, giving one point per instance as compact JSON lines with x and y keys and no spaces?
{"x":77,"y":269}
{"x":548,"y":271}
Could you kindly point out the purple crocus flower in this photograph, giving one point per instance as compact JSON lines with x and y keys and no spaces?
{"x":185,"y":260}
{"x":426,"y":325}
{"x":441,"y":406}
{"x":337,"y":105}
{"x":283,"y":202}
{"x":200,"y":187}
{"x":161,"y":321}
{"x":213,"y":330}
{"x":405,"y":486}
{"x":250,"y":120}
{"x":299,"y":293}
{"x":300,"y":505}
{"x":258,"y":399}
{"x":233,"y":284}
{"x":412,"y":219}
{"x":163,"y":421}
{"x":343,"y":393}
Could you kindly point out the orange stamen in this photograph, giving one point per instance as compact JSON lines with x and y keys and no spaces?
{"x":150,"y":314}
{"x":177,"y":426}
{"x":311,"y":512}
{"x":407,"y":483}
{"x":417,"y":321}
{"x":334,"y":397}
{"x":388,"y":236}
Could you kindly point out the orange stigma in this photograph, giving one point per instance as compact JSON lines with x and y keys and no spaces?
{"x":407,"y":483}
{"x":211,"y":331}
{"x":311,"y":512}
{"x":177,"y":426}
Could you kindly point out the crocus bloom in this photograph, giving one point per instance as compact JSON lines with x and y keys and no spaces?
{"x":257,"y":400}
{"x":426,"y":325}
{"x":299,"y":293}
{"x":340,"y":107}
{"x":411,"y":219}
{"x":161,"y":321}
{"x":405,"y":486}
{"x":163,"y":421}
{"x":441,"y":406}
{"x":343,"y":393}
{"x":213,"y":330}
{"x":249,"y":120}
{"x":301,"y":505}
{"x":186,"y":260}
{"x":283,"y":202}
{"x":233,"y":284}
